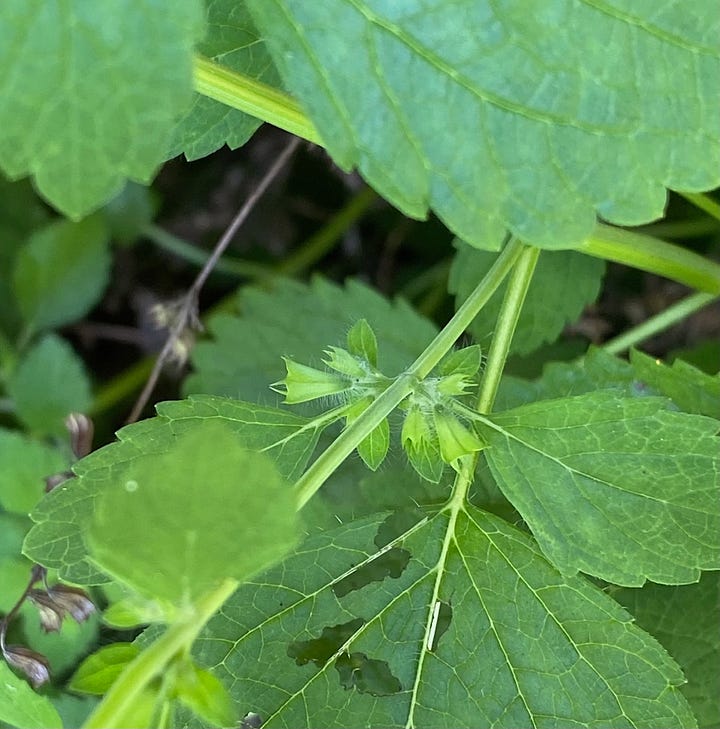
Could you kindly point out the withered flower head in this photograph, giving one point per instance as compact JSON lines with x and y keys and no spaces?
{"x":33,"y":665}
{"x":72,"y":600}
{"x":51,"y":614}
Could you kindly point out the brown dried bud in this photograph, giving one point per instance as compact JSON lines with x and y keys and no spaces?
{"x":51,"y":614}
{"x":72,"y":600}
{"x":52,"y":482}
{"x":81,"y":431}
{"x":33,"y":665}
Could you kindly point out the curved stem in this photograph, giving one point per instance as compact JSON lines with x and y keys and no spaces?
{"x":110,"y":712}
{"x":253,"y":97}
{"x":359,"y":429}
{"x":665,"y":319}
{"x":704,"y":202}
{"x":653,"y":255}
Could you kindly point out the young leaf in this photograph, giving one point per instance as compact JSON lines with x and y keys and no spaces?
{"x":361,"y":342}
{"x":536,"y":121}
{"x":685,"y":620}
{"x":230,"y":39}
{"x":205,"y":696}
{"x":26,"y":463}
{"x":465,"y":361}
{"x":48,"y":384}
{"x":563,"y":283}
{"x":99,"y":670}
{"x":173,"y":526}
{"x":375,"y":447}
{"x":300,"y":321}
{"x":620,"y":488}
{"x":20,"y":706}
{"x":690,"y":389}
{"x":119,"y":76}
{"x":62,"y":271}
{"x":345,"y":626}
{"x":56,"y":539}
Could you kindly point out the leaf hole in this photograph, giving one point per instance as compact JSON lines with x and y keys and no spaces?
{"x":389,"y":564}
{"x":366,"y":675}
{"x":320,"y":650}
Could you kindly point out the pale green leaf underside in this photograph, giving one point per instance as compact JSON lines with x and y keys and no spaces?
{"x":620,"y":488}
{"x":685,"y":619}
{"x":57,"y":539}
{"x":523,"y":647}
{"x":91,"y":92}
{"x":532,"y":117}
{"x":231,"y":40}
{"x":562,"y":284}
{"x":169,"y":525}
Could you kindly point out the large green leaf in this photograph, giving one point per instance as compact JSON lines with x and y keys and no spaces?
{"x":174,"y":525}
{"x":232,"y":40}
{"x":92,"y":92}
{"x":22,"y":707}
{"x":562,"y":284}
{"x":685,"y":619}
{"x":535,"y":117}
{"x":300,"y":321}
{"x":57,"y":539}
{"x":453,"y":621}
{"x":621,"y":488}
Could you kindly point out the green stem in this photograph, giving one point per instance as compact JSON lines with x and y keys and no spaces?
{"x":505,"y":327}
{"x":704,"y":202}
{"x":359,"y":429}
{"x":110,"y":712}
{"x":665,"y":319}
{"x":324,"y":240}
{"x":653,"y":255}
{"x":193,"y":254}
{"x":253,"y":97}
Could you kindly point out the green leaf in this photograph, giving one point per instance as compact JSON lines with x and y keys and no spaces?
{"x":20,"y":706}
{"x":62,"y":271}
{"x":26,"y":463}
{"x":620,"y":488}
{"x":56,"y":539}
{"x":232,"y":40}
{"x":130,"y":211}
{"x":465,"y":362}
{"x":49,"y":383}
{"x":344,"y":629}
{"x":375,"y":447}
{"x":361,"y":342}
{"x":690,"y":389}
{"x":168,"y":525}
{"x":205,"y":696}
{"x":563,"y":283}
{"x":99,"y":670}
{"x":110,"y":78}
{"x":14,"y":575}
{"x":536,"y":121}
{"x":685,"y":620}
{"x":300,"y":321}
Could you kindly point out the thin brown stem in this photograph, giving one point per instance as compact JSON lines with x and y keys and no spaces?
{"x":187,"y":310}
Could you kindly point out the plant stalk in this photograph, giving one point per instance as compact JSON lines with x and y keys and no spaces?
{"x":110,"y":712}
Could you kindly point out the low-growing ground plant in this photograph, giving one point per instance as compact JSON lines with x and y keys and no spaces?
{"x":355,"y":514}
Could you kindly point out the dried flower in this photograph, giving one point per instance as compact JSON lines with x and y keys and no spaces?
{"x":81,"y":431}
{"x":33,"y":665}
{"x":72,"y":600}
{"x":51,"y":614}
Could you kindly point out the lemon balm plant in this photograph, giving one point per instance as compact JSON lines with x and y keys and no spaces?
{"x":497,"y":552}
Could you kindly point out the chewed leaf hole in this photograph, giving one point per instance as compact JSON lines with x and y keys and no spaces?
{"x":320,"y":650}
{"x":389,"y":564}
{"x":367,"y":675}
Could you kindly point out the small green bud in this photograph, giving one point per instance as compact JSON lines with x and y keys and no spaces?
{"x":342,"y":361}
{"x":305,"y":383}
{"x":455,"y":439}
{"x":455,"y":385}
